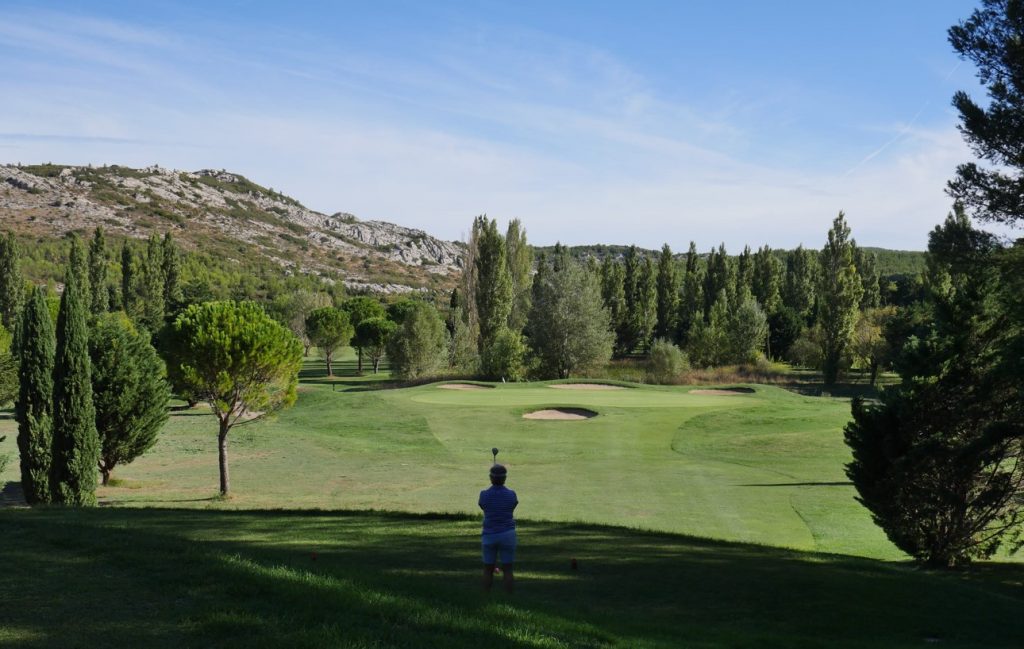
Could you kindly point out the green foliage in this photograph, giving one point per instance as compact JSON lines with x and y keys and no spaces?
{"x":129,"y":391}
{"x":640,"y":294}
{"x":666,"y":363}
{"x":494,"y":294}
{"x":766,"y":279}
{"x":463,"y":357}
{"x":784,"y":327}
{"x":418,"y":348}
{"x":292,"y":308}
{"x":939,"y":462}
{"x":717,"y":278}
{"x":99,"y":296}
{"x":691,"y":305}
{"x":667,"y":320}
{"x":329,"y":328}
{"x":361,"y":308}
{"x":709,"y":340}
{"x":174,"y":297}
{"x":131,"y":281}
{"x":570,"y":327}
{"x":746,"y":332}
{"x":504,"y":358}
{"x":865,"y":262}
{"x":34,"y":408}
{"x":236,"y":358}
{"x":993,"y":39}
{"x":806,"y":349}
{"x":613,"y":295}
{"x":8,"y":369}
{"x":12,"y":283}
{"x":152,"y":286}
{"x":519,"y":258}
{"x":799,"y":291}
{"x":76,"y":446}
{"x":374,"y":333}
{"x":869,"y":347}
{"x":839,"y":294}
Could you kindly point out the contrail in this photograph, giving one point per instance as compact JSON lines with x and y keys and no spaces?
{"x":876,"y":152}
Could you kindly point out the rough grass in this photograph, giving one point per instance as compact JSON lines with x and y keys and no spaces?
{"x":176,"y":578}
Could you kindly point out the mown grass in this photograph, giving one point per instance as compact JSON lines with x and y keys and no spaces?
{"x":177,"y":578}
{"x":303,"y":555}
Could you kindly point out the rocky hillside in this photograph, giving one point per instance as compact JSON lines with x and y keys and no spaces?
{"x":225,"y":214}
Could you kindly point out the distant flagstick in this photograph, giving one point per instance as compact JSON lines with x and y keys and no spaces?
{"x":494,"y":452}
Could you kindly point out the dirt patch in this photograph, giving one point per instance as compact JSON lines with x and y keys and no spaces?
{"x":724,"y":392}
{"x":463,"y":386}
{"x":561,"y":414}
{"x":586,"y":386}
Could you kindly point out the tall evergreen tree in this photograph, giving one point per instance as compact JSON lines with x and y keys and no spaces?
{"x":647,"y":304}
{"x":12,"y":284}
{"x":76,"y":447}
{"x":519,"y":258}
{"x":840,"y":291}
{"x":691,"y":305}
{"x":153,"y":305}
{"x":99,"y":298}
{"x":716,"y":278}
{"x":129,"y":388}
{"x":34,"y":406}
{"x":131,"y":281}
{"x":993,"y":39}
{"x":174,"y":297}
{"x":668,"y":295}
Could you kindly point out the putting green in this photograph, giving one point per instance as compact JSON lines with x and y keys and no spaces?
{"x":536,"y":395}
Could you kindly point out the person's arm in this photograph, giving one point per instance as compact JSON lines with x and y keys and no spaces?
{"x":480,"y":502}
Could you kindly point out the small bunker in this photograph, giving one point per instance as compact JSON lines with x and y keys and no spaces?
{"x":561,"y":414}
{"x":723,"y":392}
{"x":586,"y":386}
{"x":464,"y":386}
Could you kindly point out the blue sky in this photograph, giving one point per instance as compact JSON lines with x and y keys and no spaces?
{"x":593,"y":122}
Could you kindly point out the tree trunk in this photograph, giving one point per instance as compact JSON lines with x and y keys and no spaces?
{"x":330,"y":370}
{"x":874,"y":373}
{"x":376,"y":364}
{"x":106,"y":475}
{"x":222,"y":447}
{"x":359,"y":368}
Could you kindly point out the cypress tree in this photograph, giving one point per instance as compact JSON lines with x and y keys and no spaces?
{"x":153,"y":304}
{"x":494,"y":284}
{"x":840,"y":291}
{"x":519,"y":258}
{"x":76,"y":446}
{"x":34,"y":407}
{"x":12,"y":284}
{"x":130,"y":282}
{"x":100,"y":298}
{"x":173,"y":295}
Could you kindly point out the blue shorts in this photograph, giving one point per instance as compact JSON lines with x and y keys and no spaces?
{"x":502,"y":543}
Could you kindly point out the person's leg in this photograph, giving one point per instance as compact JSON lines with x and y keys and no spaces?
{"x":507,"y":578}
{"x":490,"y":556}
{"x":488,"y":576}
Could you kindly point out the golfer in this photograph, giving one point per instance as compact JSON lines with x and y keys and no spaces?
{"x":499,"y":534}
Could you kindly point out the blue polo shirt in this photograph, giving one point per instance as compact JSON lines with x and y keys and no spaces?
{"x":498,"y":503}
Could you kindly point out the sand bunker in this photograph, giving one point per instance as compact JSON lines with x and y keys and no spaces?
{"x":586,"y":386}
{"x":724,"y":392}
{"x":561,"y":414}
{"x":463,"y":386}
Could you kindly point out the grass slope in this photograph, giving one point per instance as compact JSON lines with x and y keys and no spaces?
{"x":178,"y":578}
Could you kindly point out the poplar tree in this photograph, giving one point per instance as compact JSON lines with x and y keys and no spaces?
{"x":34,"y":406}
{"x":99,"y":298}
{"x":519,"y":258}
{"x":840,"y":291}
{"x":744,"y":272}
{"x":494,"y":284}
{"x":766,"y":271}
{"x":613,"y":295}
{"x":864,"y":260}
{"x":76,"y":447}
{"x":800,"y":284}
{"x":12,"y":284}
{"x":668,"y":295}
{"x":691,"y":305}
{"x":716,"y":279}
{"x":647,"y":304}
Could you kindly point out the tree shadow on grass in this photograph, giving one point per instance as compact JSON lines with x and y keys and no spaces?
{"x":164,"y":578}
{"x":799,"y":484}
